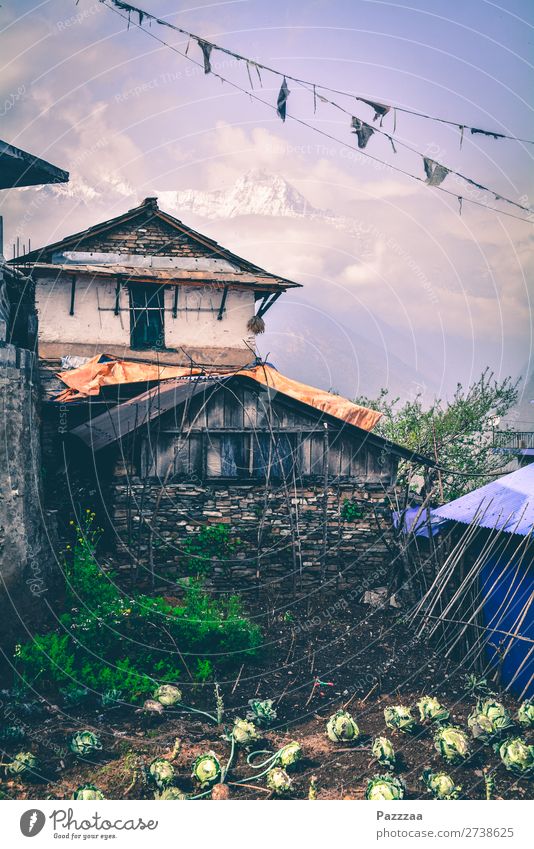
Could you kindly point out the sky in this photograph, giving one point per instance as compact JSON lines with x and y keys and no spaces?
{"x":400,"y":290}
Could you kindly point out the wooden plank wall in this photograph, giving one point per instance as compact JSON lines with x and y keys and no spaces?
{"x":227,"y":432}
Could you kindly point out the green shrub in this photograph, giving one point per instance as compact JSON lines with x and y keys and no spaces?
{"x":351,"y":510}
{"x":111,"y":643}
{"x":204,"y":670}
{"x":211,"y":541}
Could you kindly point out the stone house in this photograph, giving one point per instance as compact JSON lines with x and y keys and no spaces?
{"x":170,"y":423}
{"x":144,"y":286}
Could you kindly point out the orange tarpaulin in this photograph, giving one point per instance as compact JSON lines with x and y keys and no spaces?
{"x":89,"y":378}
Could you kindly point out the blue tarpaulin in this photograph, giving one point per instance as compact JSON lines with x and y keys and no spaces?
{"x":504,"y":504}
{"x":506,"y":586}
{"x":421,"y":523}
{"x":506,"y":579}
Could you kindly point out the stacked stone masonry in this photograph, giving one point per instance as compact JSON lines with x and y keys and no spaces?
{"x":355,"y":550}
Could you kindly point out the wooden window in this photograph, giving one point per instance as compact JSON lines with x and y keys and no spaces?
{"x":146,"y":316}
{"x":273,"y":456}
{"x":226,"y":455}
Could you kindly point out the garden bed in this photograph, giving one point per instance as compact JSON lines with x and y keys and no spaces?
{"x":363,"y":657}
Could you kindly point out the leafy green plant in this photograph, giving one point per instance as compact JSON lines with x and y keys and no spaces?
{"x":261,"y":712}
{"x":385,"y":787}
{"x":350,"y":510}
{"x":441,"y":785}
{"x":458,"y":432}
{"x":210,"y":542}
{"x":399,"y":718}
{"x":134,"y":636}
{"x":342,"y":727}
{"x":204,"y":670}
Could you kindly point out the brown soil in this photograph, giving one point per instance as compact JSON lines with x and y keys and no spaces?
{"x":366,"y":657}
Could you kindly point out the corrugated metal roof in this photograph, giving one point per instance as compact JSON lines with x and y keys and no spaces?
{"x":506,"y":504}
{"x":119,"y":421}
{"x":171,"y":276}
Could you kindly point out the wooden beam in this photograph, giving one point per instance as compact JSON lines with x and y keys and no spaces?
{"x":72,"y":295}
{"x":267,"y":304}
{"x":117,"y":308}
{"x":223,"y":303}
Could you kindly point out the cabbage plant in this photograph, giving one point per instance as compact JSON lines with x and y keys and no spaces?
{"x":489,"y":719}
{"x":431,"y":710}
{"x":383,"y":752}
{"x":289,"y":754}
{"x":206,"y":769}
{"x":525,"y":714}
{"x":517,"y":756}
{"x":24,"y":764}
{"x":84,"y":743}
{"x":278,"y":781}
{"x":441,"y":785}
{"x":161,"y":772}
{"x":170,"y":793}
{"x":384,"y":787}
{"x":261,"y":712}
{"x":342,"y":727}
{"x":399,"y":718}
{"x":244,"y":732}
{"x":88,"y":792}
{"x":168,"y":695}
{"x":452,"y":743}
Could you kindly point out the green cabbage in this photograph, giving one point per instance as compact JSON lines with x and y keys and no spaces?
{"x":517,"y":755}
{"x":452,"y":743}
{"x":206,"y":769}
{"x":161,"y":771}
{"x":441,"y":785}
{"x":399,"y":718}
{"x":383,"y":752}
{"x":290,"y":754}
{"x":342,"y":727}
{"x":430,"y":709}
{"x":244,"y":732}
{"x":261,"y":712}
{"x":384,"y":787}
{"x":24,"y":764}
{"x":88,"y":792}
{"x":168,"y":695}
{"x":525,"y":714}
{"x":278,"y":781}
{"x":85,"y":742}
{"x":489,"y":719}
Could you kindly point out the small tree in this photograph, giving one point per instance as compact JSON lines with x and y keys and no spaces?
{"x":456,"y":433}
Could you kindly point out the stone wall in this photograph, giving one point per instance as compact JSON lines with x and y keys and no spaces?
{"x":26,"y":556}
{"x":295,"y":539}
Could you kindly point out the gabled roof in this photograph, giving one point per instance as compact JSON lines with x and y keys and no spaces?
{"x":19,"y":168}
{"x":117,"y":422}
{"x":506,"y":504}
{"x":146,"y":230}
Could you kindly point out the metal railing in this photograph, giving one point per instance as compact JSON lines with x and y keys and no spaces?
{"x":513,"y":440}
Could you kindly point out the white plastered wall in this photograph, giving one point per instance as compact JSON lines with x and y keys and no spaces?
{"x":94,"y":321}
{"x":196,"y":321}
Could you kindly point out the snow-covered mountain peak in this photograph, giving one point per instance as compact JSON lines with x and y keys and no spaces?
{"x":256,"y":192}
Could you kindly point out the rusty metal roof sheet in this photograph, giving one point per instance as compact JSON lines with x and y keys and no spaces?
{"x":119,"y":421}
{"x":125,"y":418}
{"x":170,"y":276}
